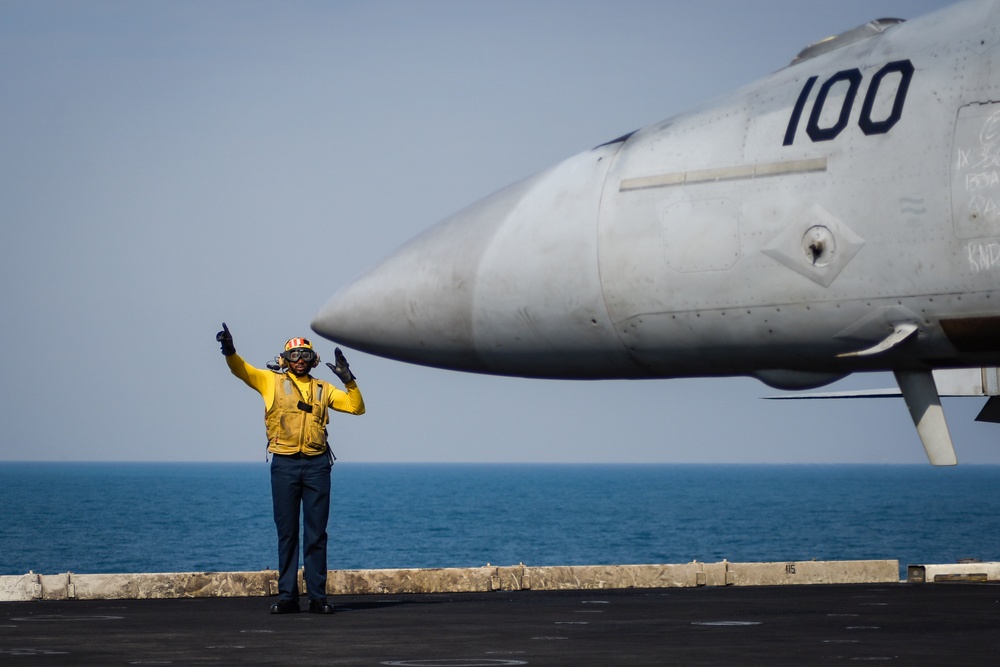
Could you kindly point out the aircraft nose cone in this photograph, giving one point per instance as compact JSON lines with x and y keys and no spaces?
{"x":417,"y":304}
{"x":509,"y":285}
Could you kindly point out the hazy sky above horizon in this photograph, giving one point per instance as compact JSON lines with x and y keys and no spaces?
{"x":168,"y":166}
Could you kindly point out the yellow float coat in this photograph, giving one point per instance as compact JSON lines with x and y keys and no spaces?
{"x":291,"y":430}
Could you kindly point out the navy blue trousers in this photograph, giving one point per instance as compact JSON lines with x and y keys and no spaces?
{"x":301,"y":482}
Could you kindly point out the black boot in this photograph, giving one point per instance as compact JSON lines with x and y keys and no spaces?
{"x":320,"y":607}
{"x":285,"y":607}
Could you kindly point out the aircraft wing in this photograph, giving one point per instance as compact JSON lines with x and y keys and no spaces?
{"x":923,"y":400}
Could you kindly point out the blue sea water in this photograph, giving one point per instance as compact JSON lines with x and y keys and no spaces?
{"x":166,"y":517}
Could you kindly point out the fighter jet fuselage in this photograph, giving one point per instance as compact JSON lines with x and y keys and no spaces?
{"x":840,"y":215}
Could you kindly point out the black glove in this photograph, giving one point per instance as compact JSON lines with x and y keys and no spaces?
{"x":226,"y":339}
{"x":342,"y":369}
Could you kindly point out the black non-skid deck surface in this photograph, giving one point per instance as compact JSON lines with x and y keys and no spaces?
{"x":912,"y":624}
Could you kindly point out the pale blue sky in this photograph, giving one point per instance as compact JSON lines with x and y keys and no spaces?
{"x":170,"y":165}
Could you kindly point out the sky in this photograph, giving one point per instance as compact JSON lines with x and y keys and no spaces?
{"x":168,"y":166}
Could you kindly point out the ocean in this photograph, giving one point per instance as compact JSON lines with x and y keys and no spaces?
{"x":183,"y":517}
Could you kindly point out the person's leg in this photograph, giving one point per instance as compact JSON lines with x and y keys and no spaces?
{"x":316,"y":513}
{"x":286,"y":495}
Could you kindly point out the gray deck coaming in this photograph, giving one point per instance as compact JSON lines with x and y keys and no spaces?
{"x":776,"y":625}
{"x":69,"y":585}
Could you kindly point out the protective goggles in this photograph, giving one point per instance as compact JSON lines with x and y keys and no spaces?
{"x":297,"y":353}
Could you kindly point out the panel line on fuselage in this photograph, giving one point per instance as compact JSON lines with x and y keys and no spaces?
{"x":715,"y":175}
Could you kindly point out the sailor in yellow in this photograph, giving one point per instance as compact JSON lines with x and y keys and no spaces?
{"x":296,"y":413}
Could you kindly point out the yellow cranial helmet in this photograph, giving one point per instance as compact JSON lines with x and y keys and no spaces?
{"x":298,"y":342}
{"x":299,"y":348}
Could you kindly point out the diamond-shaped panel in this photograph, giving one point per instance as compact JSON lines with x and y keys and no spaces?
{"x":818,"y":245}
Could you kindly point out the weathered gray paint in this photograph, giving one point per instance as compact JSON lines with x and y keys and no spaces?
{"x":735,"y":239}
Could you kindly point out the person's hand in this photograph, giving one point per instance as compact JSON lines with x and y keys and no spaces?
{"x":226,"y":339}
{"x":342,"y":369}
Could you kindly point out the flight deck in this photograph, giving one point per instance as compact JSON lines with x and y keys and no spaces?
{"x":708,"y":614}
{"x":926,"y":624}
